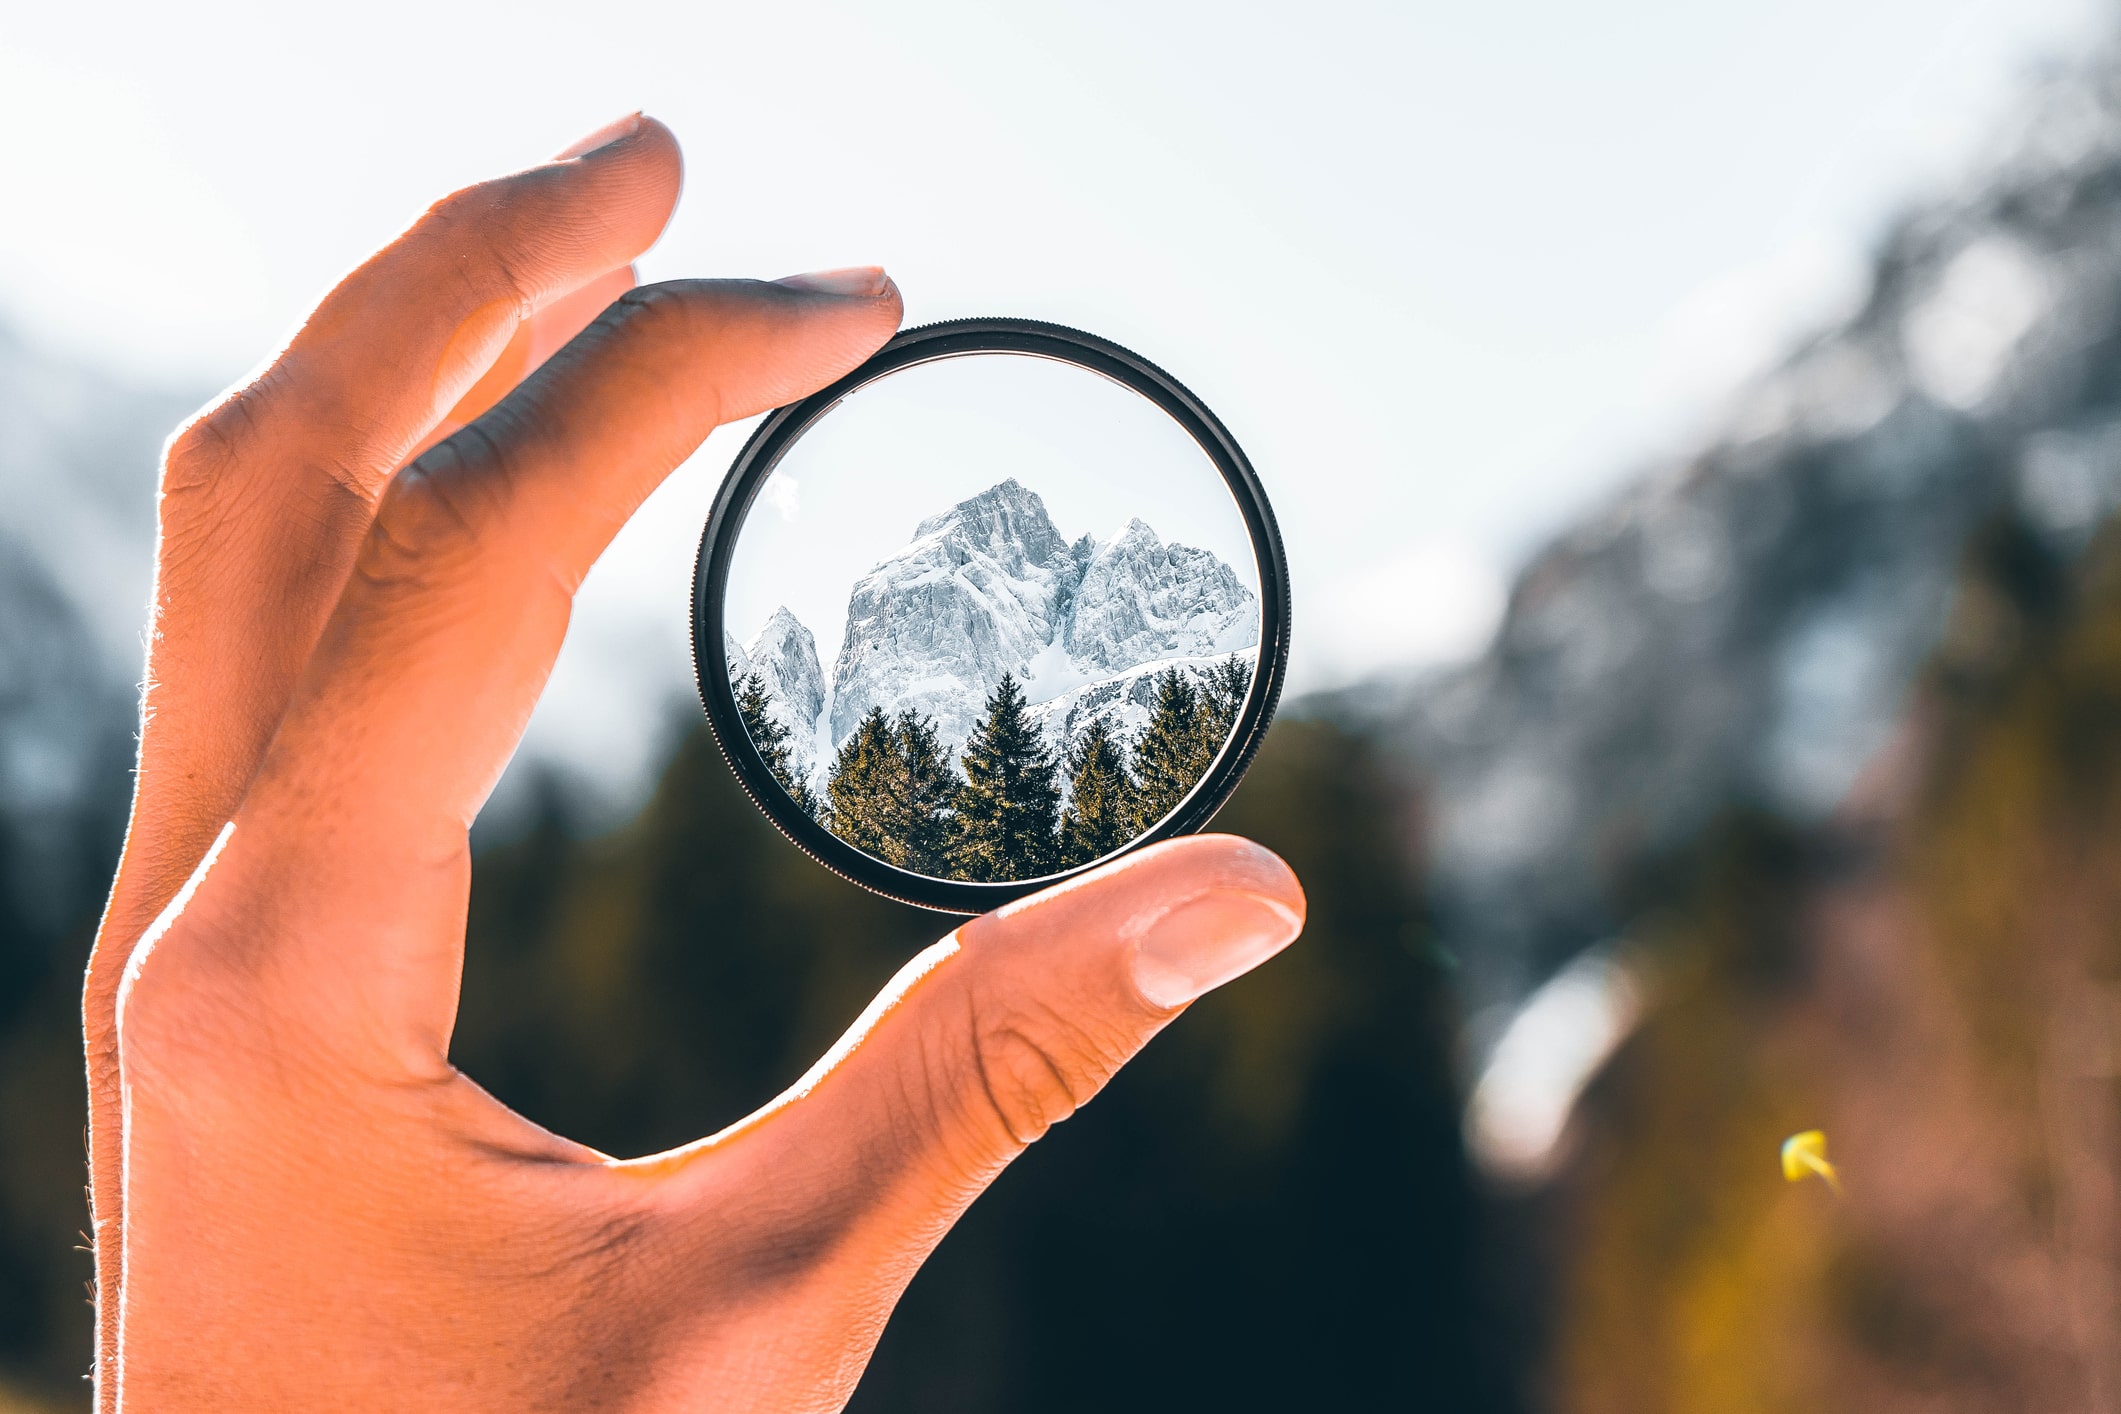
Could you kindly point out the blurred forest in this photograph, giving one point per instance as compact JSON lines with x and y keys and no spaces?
{"x":1270,"y":1207}
{"x":1811,"y":740}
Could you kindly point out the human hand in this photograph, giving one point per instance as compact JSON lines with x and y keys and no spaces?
{"x":299,"y":1202}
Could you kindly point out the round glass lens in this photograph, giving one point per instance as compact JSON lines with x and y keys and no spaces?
{"x":991,"y":618}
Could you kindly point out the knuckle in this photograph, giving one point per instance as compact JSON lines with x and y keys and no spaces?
{"x":457,"y":515}
{"x":660,"y":303}
{"x":229,"y":464}
{"x":675,"y":315}
{"x":1036,"y":1066}
{"x":430,"y":519}
{"x":671,"y":314}
{"x":647,"y":317}
{"x":207,"y":450}
{"x":457,"y":232}
{"x":294,"y":412}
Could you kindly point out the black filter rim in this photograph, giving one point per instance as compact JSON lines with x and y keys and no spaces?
{"x":958,"y":338}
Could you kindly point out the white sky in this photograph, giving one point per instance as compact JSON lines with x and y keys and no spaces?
{"x":1449,"y":271}
{"x":850,"y":492}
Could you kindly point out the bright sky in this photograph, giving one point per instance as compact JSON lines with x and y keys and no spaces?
{"x":1449,"y":271}
{"x":850,"y":492}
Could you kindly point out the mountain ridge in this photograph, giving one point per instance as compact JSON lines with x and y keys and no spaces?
{"x":990,"y":587}
{"x":1740,"y":629}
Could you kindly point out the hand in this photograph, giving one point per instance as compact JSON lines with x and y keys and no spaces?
{"x":299,"y":1202}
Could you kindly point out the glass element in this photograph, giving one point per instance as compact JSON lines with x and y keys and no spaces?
{"x":991,"y":617}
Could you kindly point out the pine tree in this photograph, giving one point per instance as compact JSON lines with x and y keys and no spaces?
{"x":863,"y":789}
{"x":1100,"y":816}
{"x":754,"y":704}
{"x":1005,"y":826}
{"x":930,"y":784}
{"x":890,"y":791}
{"x":1170,"y":757}
{"x":1222,"y":698}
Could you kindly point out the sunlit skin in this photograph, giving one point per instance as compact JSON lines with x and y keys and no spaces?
{"x":366,"y":562}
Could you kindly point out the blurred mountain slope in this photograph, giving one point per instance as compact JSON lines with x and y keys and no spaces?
{"x":78,"y":453}
{"x":1741,"y":628}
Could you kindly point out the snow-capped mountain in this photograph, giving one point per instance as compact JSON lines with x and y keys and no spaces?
{"x":991,"y":587}
{"x":982,"y":590}
{"x":784,"y":655}
{"x":1141,"y":599}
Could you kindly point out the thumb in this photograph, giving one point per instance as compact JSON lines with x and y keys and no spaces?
{"x":987,"y":1040}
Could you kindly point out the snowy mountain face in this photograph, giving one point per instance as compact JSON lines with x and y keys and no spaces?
{"x":982,"y":590}
{"x":990,"y":587}
{"x":1141,"y":599}
{"x":784,"y":655}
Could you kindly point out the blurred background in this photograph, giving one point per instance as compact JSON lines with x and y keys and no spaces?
{"x":1696,"y":430}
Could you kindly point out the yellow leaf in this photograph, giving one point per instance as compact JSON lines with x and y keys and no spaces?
{"x":1804,"y":1155}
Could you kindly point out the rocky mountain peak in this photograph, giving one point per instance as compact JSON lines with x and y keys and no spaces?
{"x":784,"y":655}
{"x":1141,"y":598}
{"x":1006,"y":522}
{"x":990,"y":587}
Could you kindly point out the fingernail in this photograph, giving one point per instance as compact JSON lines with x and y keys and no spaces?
{"x":603,"y":137}
{"x":1206,"y":941}
{"x":854,"y":281}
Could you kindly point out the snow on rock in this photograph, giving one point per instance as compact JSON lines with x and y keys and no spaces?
{"x":982,"y":589}
{"x":784,"y":655}
{"x":1141,"y":599}
{"x":1123,"y":702}
{"x":990,"y":587}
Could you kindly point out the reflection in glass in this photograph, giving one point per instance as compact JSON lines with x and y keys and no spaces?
{"x":1003,"y":701}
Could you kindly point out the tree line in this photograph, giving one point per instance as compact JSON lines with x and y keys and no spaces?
{"x":1009,"y":807}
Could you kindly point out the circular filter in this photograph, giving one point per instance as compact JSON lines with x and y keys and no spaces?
{"x":1002,"y":604}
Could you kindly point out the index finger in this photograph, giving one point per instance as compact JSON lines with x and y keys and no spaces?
{"x":266,"y":494}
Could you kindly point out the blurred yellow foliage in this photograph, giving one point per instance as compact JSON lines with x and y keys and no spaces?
{"x":1935,"y":975}
{"x":1804,"y":1156}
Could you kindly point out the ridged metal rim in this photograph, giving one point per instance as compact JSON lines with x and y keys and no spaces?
{"x":958,"y":338}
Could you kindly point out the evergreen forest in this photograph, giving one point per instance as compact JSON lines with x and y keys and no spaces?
{"x":1010,"y":807}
